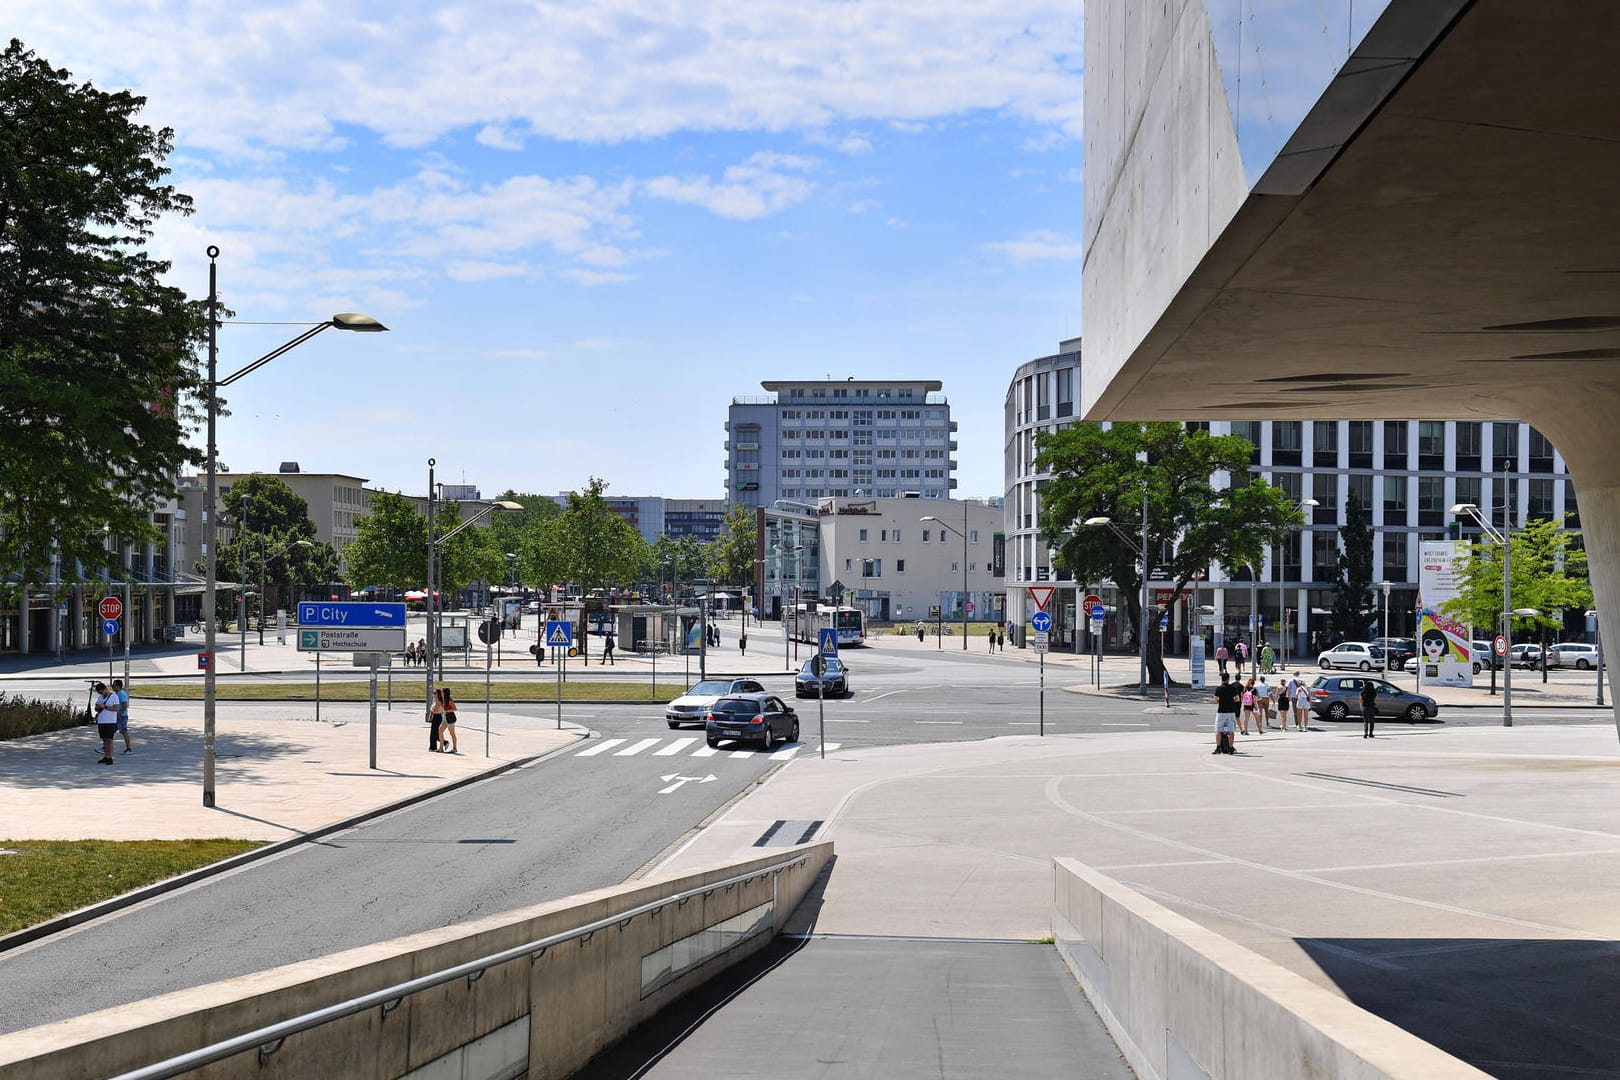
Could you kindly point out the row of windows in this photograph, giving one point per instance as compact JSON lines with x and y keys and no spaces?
{"x":938,"y":434}
{"x":800,"y":393}
{"x":847,"y":492}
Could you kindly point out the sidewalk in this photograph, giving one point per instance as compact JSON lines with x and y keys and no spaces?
{"x":278,"y":772}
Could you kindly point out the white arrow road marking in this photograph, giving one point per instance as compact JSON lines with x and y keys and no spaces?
{"x":679,"y":780}
{"x":636,"y":748}
{"x":599,"y":748}
{"x":675,"y":747}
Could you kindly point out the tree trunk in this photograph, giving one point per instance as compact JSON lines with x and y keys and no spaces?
{"x":1155,"y":650}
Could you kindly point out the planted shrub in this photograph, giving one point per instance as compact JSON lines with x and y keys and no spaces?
{"x":21,"y":717}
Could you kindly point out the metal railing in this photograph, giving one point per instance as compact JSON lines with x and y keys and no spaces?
{"x":269,"y":1039}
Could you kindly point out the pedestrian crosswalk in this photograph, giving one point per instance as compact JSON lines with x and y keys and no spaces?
{"x":671,"y":747}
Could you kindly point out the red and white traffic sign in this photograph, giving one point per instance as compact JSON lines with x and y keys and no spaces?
{"x":1091,"y":601}
{"x":1042,"y":595}
{"x":1500,"y":645}
{"x":110,"y":607}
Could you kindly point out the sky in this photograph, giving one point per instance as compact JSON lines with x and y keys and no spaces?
{"x":589,"y":226}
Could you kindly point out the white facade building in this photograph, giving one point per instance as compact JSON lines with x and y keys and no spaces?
{"x":1406,"y":474}
{"x":813,"y":440}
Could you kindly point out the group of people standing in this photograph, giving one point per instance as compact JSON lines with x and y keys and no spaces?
{"x":112,"y":718}
{"x":442,"y":717}
{"x":1237,"y":650}
{"x":1249,"y":707}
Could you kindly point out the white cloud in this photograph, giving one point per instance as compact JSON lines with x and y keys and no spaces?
{"x":1041,"y":244}
{"x":256,"y":80}
{"x":758,"y":187}
{"x":498,"y":137}
{"x":475,"y":270}
{"x":864,"y":206}
{"x":597,"y":277}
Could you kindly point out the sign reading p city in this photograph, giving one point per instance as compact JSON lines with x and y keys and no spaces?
{"x":345,"y":613}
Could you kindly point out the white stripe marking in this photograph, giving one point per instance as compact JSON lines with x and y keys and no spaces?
{"x":937,"y":721}
{"x":637,"y":748}
{"x":743,"y":753}
{"x":786,"y":753}
{"x":707,"y":751}
{"x":675,"y":747}
{"x":599,"y":748}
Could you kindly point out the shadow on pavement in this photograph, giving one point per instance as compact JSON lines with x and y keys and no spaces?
{"x":1518,"y":1009}
{"x":66,"y":759}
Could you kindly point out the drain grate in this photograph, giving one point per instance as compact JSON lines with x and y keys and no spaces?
{"x":788,"y":833}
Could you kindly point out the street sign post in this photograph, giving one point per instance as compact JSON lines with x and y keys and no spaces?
{"x":109,"y":627}
{"x":827,"y":640}
{"x":826,"y":649}
{"x":355,"y":639}
{"x":111,"y":608}
{"x":1042,"y":622}
{"x":1041,"y":595}
{"x":559,"y":634}
{"x":349,"y":613}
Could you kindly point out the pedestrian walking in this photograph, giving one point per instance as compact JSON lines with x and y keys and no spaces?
{"x":1262,"y":704}
{"x":1227,"y":696}
{"x":1242,"y":656}
{"x":106,"y":721}
{"x":1369,"y":707}
{"x":991,"y":634}
{"x":447,"y":733}
{"x":1220,"y":657}
{"x":919,"y":630}
{"x":436,"y":719}
{"x":1248,"y":706}
{"x":1001,"y":641}
{"x":123,"y":713}
{"x":607,"y":649}
{"x":1285,"y":703}
{"x":1268,"y":656}
{"x":1302,"y":704}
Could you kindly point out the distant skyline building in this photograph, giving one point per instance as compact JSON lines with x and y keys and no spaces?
{"x":654,"y":515}
{"x":878,"y":438}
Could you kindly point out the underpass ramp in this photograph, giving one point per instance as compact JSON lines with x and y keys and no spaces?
{"x":895,"y":1008}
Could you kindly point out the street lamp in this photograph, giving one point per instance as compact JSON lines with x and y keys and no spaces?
{"x":1507,"y":598}
{"x":347,"y":320}
{"x":1141,"y":634}
{"x":1597,"y":631}
{"x":964,"y":535}
{"x":1384,"y":585}
{"x":436,"y":656}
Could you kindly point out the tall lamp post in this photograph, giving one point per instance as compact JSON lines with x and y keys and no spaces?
{"x":347,"y":320}
{"x":963,"y":533}
{"x":1385,"y":585}
{"x":436,"y":655}
{"x":1500,"y":537}
{"x":1141,"y":635}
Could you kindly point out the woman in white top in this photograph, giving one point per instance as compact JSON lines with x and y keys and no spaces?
{"x":106,"y":721}
{"x":1302,"y":705}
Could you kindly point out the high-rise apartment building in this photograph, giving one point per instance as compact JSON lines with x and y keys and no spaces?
{"x":812,"y":440}
{"x":1406,"y":474}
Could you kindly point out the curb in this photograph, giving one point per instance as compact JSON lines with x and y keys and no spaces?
{"x":28,"y":934}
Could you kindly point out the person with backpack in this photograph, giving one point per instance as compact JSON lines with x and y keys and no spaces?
{"x":1227,"y":695}
{"x":607,"y":649}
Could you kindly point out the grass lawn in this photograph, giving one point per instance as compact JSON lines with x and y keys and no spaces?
{"x":410,"y":688}
{"x":47,"y":878}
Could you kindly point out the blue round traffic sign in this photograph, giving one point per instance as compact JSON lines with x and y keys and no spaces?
{"x":1041,"y":621}
{"x":1164,"y":622}
{"x":1097,"y":612}
{"x":109,"y":627}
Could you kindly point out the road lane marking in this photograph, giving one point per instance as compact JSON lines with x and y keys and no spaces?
{"x":1121,"y":723}
{"x":888,"y":693}
{"x":707,"y":751}
{"x":679,"y":780}
{"x":636,"y":748}
{"x":599,"y":748}
{"x":675,"y":747}
{"x":937,"y":721}
{"x":787,"y":752}
{"x":743,"y":753}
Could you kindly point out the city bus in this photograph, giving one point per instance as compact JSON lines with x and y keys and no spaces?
{"x":808,"y":619}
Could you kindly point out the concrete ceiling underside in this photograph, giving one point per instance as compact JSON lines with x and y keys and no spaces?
{"x":1460,"y":257}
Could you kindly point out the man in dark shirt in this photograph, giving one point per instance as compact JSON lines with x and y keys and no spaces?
{"x":1369,"y":703}
{"x":1228,"y":695}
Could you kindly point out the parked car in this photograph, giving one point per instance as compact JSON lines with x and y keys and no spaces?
{"x":1575,"y":654}
{"x":1525,"y":655}
{"x":757,"y":718}
{"x":693,"y":706}
{"x":834,"y":681}
{"x":1352,"y":654}
{"x":1398,"y":649}
{"x":1485,"y":657}
{"x":1338,"y":697}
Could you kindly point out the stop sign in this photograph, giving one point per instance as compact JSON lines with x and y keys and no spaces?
{"x":110,"y":607}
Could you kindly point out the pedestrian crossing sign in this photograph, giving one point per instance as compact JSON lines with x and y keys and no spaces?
{"x":560,"y":634}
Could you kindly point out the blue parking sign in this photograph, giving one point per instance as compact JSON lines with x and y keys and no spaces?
{"x":829,"y":642}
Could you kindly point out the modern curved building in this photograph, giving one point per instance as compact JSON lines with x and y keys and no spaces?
{"x":1388,"y":210}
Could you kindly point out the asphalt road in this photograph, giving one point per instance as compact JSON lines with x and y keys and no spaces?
{"x":589,"y":816}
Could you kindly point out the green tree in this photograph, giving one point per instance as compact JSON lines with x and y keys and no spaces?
{"x":96,"y":353}
{"x":593,"y":547}
{"x":1105,"y":472}
{"x":390,"y":545}
{"x":271,"y":523}
{"x":1352,"y":582}
{"x":673,"y":559}
{"x":1549,"y":575}
{"x":734,"y":554}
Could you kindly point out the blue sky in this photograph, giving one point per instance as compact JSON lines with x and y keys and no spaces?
{"x":589,"y":226}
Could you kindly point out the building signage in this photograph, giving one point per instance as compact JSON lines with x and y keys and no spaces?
{"x":346,"y":613}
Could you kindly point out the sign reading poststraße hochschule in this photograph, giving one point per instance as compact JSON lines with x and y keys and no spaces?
{"x":359,"y":639}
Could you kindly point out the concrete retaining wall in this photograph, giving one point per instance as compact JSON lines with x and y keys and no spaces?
{"x":1185,"y":1003}
{"x":542,"y":1018}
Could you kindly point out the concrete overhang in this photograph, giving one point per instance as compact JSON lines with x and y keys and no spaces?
{"x":1458,"y":257}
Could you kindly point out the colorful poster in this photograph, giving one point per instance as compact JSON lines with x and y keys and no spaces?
{"x":1437,"y":576}
{"x":1445,"y":651}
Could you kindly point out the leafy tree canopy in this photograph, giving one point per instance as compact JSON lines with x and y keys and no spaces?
{"x":733,"y":557}
{"x":390,"y":545}
{"x":587,"y":544}
{"x":1548,"y":574}
{"x":1106,"y":472}
{"x":1352,"y":584}
{"x":96,"y":354}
